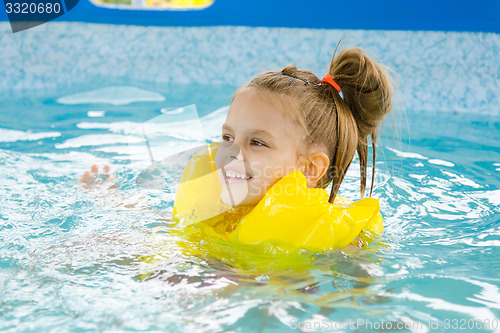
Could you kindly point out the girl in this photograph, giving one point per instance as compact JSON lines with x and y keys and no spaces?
{"x":287,"y":136}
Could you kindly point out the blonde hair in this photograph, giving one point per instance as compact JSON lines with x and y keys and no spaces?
{"x":340,"y":124}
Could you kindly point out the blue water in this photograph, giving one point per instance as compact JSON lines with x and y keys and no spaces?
{"x":109,"y":260}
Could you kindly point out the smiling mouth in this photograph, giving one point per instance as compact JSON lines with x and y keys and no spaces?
{"x":232,"y":176}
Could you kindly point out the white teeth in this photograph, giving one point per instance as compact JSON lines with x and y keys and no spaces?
{"x":232,"y":174}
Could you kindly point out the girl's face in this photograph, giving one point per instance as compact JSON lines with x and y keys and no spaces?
{"x":259,"y":147}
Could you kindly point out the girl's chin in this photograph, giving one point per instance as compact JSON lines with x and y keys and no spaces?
{"x":235,"y":193}
{"x":237,"y":200}
{"x":233,"y":202}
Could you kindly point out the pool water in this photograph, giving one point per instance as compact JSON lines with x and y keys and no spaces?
{"x":110,"y":260}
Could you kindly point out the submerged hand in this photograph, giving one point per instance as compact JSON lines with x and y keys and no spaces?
{"x":105,"y":189}
{"x":91,"y":178}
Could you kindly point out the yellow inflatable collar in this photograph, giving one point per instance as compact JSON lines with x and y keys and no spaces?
{"x":290,"y":213}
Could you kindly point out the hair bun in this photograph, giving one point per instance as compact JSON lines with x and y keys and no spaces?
{"x":367,"y":91}
{"x":366,"y":88}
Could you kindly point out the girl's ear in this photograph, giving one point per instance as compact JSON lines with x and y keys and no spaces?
{"x":316,"y":168}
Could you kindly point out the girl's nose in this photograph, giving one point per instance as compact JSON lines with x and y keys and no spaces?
{"x":235,"y":152}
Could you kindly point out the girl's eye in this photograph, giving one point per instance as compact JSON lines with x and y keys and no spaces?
{"x":254,"y":142}
{"x":258,"y":143}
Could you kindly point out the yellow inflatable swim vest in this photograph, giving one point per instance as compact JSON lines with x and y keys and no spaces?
{"x":304,"y":219}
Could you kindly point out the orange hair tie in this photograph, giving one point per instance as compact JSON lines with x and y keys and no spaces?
{"x":328,"y":78}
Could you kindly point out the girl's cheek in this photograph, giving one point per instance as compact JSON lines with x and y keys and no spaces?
{"x":257,"y":173}
{"x":258,"y":190}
